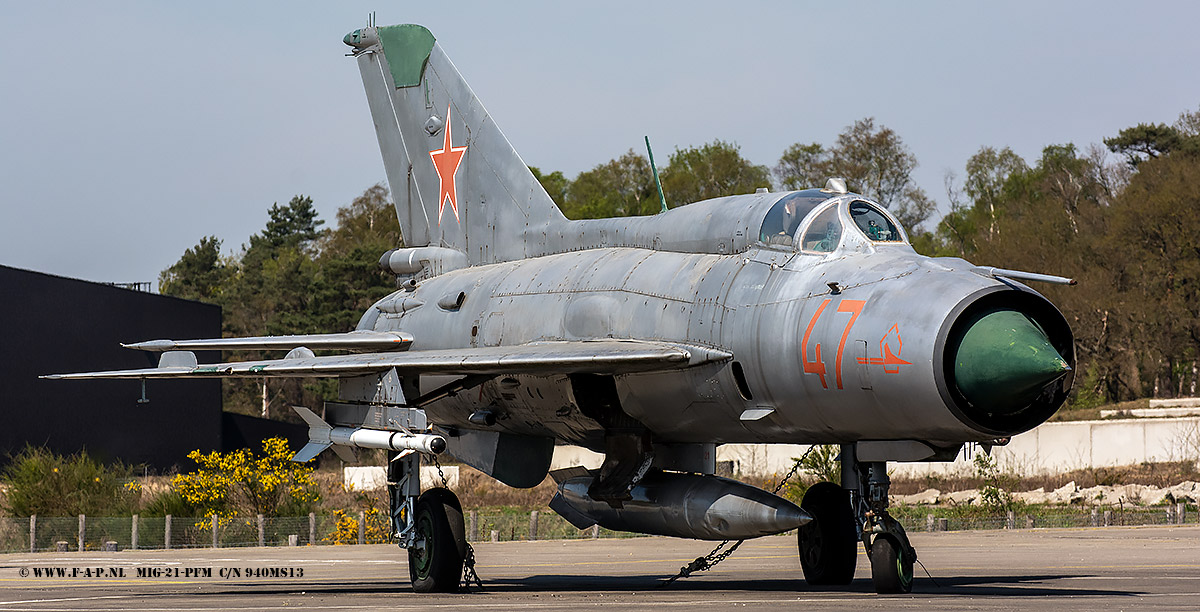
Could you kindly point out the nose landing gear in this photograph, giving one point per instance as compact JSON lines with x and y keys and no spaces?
{"x":855,"y":511}
{"x":892,"y":556}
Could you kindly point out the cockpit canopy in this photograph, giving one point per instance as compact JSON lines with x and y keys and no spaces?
{"x":799,"y":221}
{"x":785,"y":216}
{"x":876,"y":225}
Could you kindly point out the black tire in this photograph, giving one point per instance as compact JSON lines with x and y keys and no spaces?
{"x":828,"y":544}
{"x":435,"y":565}
{"x":889,"y":572}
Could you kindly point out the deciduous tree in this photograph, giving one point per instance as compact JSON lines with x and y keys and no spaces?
{"x":711,"y":170}
{"x":874,"y":161}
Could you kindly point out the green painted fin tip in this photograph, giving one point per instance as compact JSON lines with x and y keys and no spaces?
{"x":407,"y":48}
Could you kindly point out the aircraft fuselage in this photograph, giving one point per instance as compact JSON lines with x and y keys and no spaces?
{"x":827,"y":348}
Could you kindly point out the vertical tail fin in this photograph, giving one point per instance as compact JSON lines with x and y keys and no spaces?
{"x":456,"y":180}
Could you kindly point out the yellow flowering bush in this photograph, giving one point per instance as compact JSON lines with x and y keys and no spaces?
{"x":377,"y":529}
{"x":242,"y":482}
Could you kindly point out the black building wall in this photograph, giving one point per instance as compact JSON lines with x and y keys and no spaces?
{"x":51,"y":324}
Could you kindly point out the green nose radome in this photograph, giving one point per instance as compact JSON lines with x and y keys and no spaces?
{"x":1005,"y":361}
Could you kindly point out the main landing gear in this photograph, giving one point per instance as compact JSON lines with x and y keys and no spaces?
{"x":429,"y":525}
{"x":435,"y":560}
{"x":857,"y":510}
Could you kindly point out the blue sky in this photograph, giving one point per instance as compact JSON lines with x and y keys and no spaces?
{"x":129,"y":130}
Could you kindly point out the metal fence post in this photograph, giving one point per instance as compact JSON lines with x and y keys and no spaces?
{"x":33,"y":533}
{"x":82,"y":530}
{"x":133,"y":533}
{"x":362,"y":527}
{"x":1181,"y":512}
{"x":312,"y":528}
{"x":167,"y":532}
{"x":533,"y":520}
{"x":262,"y":534}
{"x":1010,"y":521}
{"x":215,"y":543}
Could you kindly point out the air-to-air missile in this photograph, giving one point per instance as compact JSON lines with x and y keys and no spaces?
{"x":322,"y":435}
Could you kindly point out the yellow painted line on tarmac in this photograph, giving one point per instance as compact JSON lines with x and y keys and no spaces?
{"x":1176,"y":566}
{"x":1083,"y":567}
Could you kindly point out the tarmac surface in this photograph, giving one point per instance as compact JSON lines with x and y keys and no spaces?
{"x":1115,"y":568}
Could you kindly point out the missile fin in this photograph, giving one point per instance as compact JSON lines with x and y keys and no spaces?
{"x":311,"y":418}
{"x":318,"y":438}
{"x":567,"y":511}
{"x":309,"y":452}
{"x":346,"y":453}
{"x":564,"y":474}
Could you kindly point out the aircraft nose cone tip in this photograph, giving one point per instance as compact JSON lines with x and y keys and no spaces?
{"x":1004,"y":361}
{"x":791,"y":518}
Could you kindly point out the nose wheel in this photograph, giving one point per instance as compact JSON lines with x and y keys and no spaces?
{"x":891,"y":566}
{"x":892,"y":556}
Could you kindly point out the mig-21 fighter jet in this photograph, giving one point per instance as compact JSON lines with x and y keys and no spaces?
{"x":802,"y":317}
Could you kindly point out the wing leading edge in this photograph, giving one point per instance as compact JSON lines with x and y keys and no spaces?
{"x":353,"y":341}
{"x":565,"y":357}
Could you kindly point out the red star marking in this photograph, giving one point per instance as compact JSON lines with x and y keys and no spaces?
{"x":446,"y":161}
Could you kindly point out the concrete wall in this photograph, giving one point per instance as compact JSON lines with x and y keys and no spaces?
{"x":1059,"y":447}
{"x":1050,"y":448}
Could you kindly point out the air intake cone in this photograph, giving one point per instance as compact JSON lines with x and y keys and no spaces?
{"x":1005,"y":361}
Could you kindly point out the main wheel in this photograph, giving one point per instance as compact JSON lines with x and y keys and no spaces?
{"x":435,"y":562}
{"x":890,"y":572}
{"x":829,"y":542}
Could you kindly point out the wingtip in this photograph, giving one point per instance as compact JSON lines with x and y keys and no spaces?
{"x":150,"y":345}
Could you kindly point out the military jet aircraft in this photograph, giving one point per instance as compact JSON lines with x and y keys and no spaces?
{"x":802,"y":317}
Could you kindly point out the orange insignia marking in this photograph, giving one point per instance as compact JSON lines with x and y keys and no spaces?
{"x":890,"y":360}
{"x":446,"y":161}
{"x":814,"y":367}
{"x":854,"y":307}
{"x":817,"y":366}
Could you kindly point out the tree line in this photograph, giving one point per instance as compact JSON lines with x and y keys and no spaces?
{"x":1123,"y":218}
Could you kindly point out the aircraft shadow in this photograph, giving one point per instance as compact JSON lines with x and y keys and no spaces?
{"x":973,"y":586}
{"x":954,"y":586}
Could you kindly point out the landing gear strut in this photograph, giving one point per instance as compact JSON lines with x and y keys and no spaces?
{"x":429,"y":525}
{"x":886,"y":543}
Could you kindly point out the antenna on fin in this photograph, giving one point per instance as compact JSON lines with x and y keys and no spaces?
{"x":657,"y":183}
